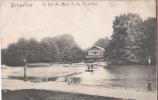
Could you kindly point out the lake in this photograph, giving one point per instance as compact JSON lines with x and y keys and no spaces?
{"x":127,"y":77}
{"x":124,"y":77}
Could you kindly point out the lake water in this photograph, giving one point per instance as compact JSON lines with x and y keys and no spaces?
{"x":128,"y":77}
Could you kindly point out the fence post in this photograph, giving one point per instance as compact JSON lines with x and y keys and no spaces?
{"x":25,"y":70}
{"x":149,"y":71}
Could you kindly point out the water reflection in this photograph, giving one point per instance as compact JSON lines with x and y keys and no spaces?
{"x":95,"y":77}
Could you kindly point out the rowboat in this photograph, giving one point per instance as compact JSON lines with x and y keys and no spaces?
{"x":89,"y":70}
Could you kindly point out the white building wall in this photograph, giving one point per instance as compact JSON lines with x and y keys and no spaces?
{"x":95,"y":52}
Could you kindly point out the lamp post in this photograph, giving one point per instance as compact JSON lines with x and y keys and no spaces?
{"x":149,"y":81}
{"x":25,"y":70}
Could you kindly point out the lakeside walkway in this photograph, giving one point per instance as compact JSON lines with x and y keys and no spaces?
{"x":74,"y":88}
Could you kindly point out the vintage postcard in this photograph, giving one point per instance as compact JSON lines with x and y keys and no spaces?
{"x":78,"y":49}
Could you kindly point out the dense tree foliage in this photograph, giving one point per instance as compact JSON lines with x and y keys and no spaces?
{"x":132,"y":41}
{"x":148,"y":39}
{"x":65,"y":44}
{"x":12,"y":55}
{"x":52,"y":48}
{"x":102,"y":42}
{"x":122,"y":45}
{"x":61,"y":48}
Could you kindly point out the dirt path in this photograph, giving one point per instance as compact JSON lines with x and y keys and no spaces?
{"x":88,"y":90}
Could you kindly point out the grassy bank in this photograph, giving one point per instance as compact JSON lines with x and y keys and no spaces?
{"x":33,"y":94}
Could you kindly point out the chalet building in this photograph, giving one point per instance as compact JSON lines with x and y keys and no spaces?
{"x":95,"y":54}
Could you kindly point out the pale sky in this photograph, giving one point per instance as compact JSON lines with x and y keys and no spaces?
{"x":86,"y":23}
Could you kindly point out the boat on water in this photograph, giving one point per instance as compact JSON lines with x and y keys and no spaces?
{"x":89,"y":70}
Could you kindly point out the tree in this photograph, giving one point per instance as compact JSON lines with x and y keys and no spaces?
{"x":3,"y":56}
{"x":52,"y":48}
{"x":123,"y":47}
{"x":77,"y":54}
{"x":148,"y":39}
{"x":60,"y":48}
{"x":44,"y":52}
{"x":34,"y":51}
{"x":22,"y":47}
{"x":102,"y":42}
{"x":12,"y":56}
{"x":15,"y":53}
{"x":65,"y":43}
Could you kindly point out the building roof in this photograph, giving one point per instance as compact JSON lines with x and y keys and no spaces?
{"x":97,"y":48}
{"x":96,"y":56}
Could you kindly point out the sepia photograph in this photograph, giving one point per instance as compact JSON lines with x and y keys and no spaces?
{"x":78,"y":49}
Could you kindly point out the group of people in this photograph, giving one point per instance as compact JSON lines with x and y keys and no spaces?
{"x":69,"y":80}
{"x":90,"y":66}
